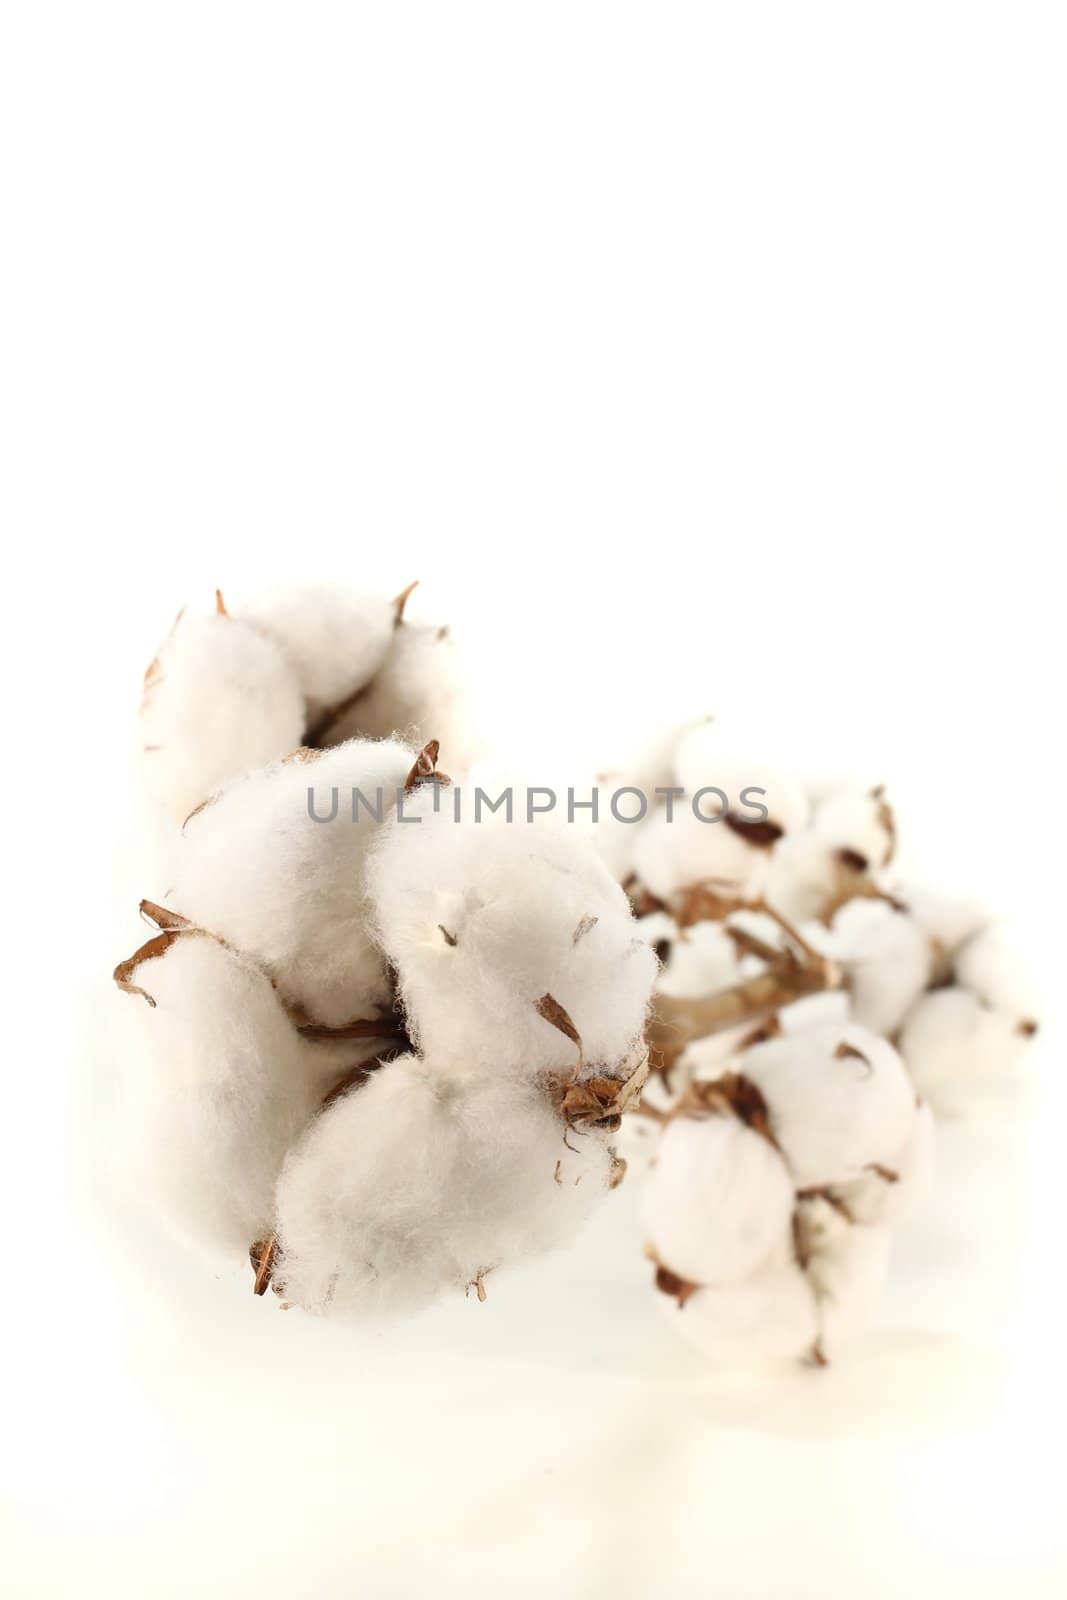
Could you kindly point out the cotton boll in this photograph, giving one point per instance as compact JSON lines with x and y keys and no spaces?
{"x":990,"y":969}
{"x":718,"y":1201}
{"x":703,"y":759}
{"x":948,"y":920}
{"x":414,"y":1186}
{"x":896,"y":1191}
{"x":771,"y":1316}
{"x":840,"y":1100}
{"x":670,"y":856}
{"x":846,"y":1265}
{"x":418,"y":694}
{"x":482,"y":920}
{"x":954,"y":1046}
{"x":335,"y":638}
{"x":256,"y":869}
{"x":887,"y":960}
{"x":803,"y":876}
{"x":220,"y":1085}
{"x":814,"y":1010}
{"x":860,"y":821}
{"x":220,"y":699}
{"x":702,"y":960}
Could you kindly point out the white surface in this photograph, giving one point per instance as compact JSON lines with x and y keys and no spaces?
{"x":692,"y":357}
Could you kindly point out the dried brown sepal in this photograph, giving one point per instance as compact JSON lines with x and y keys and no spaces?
{"x":153,"y":673}
{"x":478,"y":1285}
{"x":263,"y":1255}
{"x":818,"y":1355}
{"x":425,"y":768}
{"x":848,"y":1052}
{"x":832,"y":1198}
{"x":886,"y":1174}
{"x":586,"y":925}
{"x":749,"y":944}
{"x":668,"y":1282}
{"x":401,"y":601}
{"x":1028,"y":1027}
{"x":600,"y":1102}
{"x":162,"y":916}
{"x":220,"y":604}
{"x":449,"y":938}
{"x":887,"y":821}
{"x":195,"y":812}
{"x":355,"y":1078}
{"x":771,"y":1029}
{"x":618,"y":1169}
{"x":358,"y":1028}
{"x":550,"y":1009}
{"x":149,"y":951}
{"x":737,"y":1095}
{"x":642,"y":901}
{"x":762,"y":835}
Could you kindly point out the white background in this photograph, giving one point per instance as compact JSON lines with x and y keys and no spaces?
{"x":694,"y":358}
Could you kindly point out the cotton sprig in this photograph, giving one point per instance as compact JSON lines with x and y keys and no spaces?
{"x":811,"y":1012}
{"x":235,"y":687}
{"x":386,"y":1055}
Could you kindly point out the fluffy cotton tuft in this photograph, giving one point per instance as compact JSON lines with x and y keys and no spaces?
{"x":771,"y":1316}
{"x":840,"y":1100}
{"x":334,"y":638}
{"x":483,"y":919}
{"x":220,"y":699}
{"x":220,"y":1086}
{"x":718,"y":1202}
{"x":257,"y":869}
{"x":416,"y":1185}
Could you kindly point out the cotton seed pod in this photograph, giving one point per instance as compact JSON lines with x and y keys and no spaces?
{"x":490,"y":925}
{"x":718,"y":1201}
{"x":220,"y":1085}
{"x":335,"y":638}
{"x":704,"y":758}
{"x":948,"y":920}
{"x":840,"y":1100}
{"x":416,"y":1185}
{"x":219,"y":699}
{"x":896,"y":1191}
{"x":860,"y":821}
{"x":770,"y":1316}
{"x":257,"y":869}
{"x":701,"y":960}
{"x":990,"y":969}
{"x":418,"y":693}
{"x":887,"y":959}
{"x":846,"y":1265}
{"x":955,"y":1047}
{"x":672,"y":856}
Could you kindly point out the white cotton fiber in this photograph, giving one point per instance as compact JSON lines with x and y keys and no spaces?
{"x":220,"y":699}
{"x":703,"y":959}
{"x":671,"y":856}
{"x":220,"y":1085}
{"x":415,"y":1185}
{"x":770,"y":1316}
{"x":846,"y":1265}
{"x":703,"y":758}
{"x":483,"y":919}
{"x":953,"y":1045}
{"x":887,"y":960}
{"x":718,"y":1201}
{"x":803,"y":876}
{"x":839,"y":1097}
{"x":898,"y":1189}
{"x":255,"y":868}
{"x":334,"y":637}
{"x":988,"y":966}
{"x":858,"y":820}
{"x":418,"y":694}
